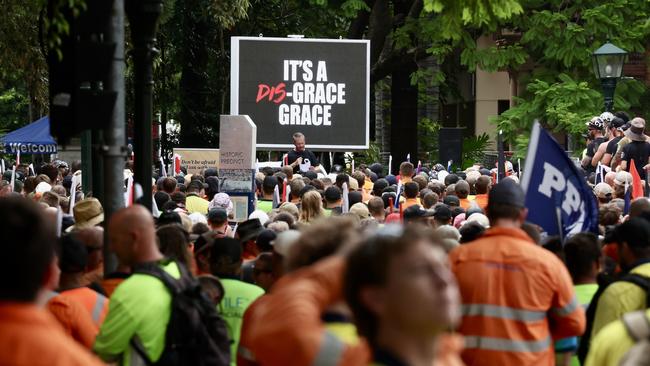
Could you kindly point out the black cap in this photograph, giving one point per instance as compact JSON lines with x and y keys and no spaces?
{"x":472,"y":210}
{"x":227,"y":248}
{"x":217,"y":215}
{"x":485,"y":171}
{"x":442,"y":212}
{"x":452,"y":200}
{"x":415,"y":211}
{"x":265,"y":238}
{"x":249,"y":229}
{"x":507,"y":192}
{"x":377,"y":169}
{"x":451,"y":179}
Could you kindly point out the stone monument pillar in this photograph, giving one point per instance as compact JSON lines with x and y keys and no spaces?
{"x":237,"y":143}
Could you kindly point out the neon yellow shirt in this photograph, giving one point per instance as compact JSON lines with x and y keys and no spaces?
{"x":195,"y":203}
{"x":620,"y":298}
{"x":140,"y":307}
{"x":610,"y":345}
{"x":237,"y":297}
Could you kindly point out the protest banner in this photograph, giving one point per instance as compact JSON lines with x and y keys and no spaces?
{"x":197,"y":160}
{"x":320,"y":87}
{"x":557,"y":196}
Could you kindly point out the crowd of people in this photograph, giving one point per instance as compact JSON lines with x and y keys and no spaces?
{"x":350,"y":268}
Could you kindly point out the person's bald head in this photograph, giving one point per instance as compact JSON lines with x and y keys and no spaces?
{"x":132,"y":235}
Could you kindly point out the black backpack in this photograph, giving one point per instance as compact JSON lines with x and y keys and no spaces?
{"x":604,"y":282}
{"x":196,"y":334}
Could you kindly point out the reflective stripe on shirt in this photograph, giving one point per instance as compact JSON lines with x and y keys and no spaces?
{"x":330,"y":352}
{"x":502,"y":312}
{"x":567,"y":309}
{"x":99,"y":306}
{"x":502,"y":344}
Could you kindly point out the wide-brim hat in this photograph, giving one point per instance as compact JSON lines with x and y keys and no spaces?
{"x":249,"y":229}
{"x":636,"y":130}
{"x":87,"y":213}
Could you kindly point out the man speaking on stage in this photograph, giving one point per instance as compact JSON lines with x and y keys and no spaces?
{"x":301,"y":159}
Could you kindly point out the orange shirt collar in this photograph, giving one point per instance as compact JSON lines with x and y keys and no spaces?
{"x":506,"y":231}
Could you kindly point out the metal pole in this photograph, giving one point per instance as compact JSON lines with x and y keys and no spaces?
{"x":98,"y":165}
{"x":86,"y":161}
{"x":609,"y":87}
{"x":143,"y":18}
{"x":114,"y":150}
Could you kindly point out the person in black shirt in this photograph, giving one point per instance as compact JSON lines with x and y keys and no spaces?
{"x":299,"y":157}
{"x":607,"y":149}
{"x":637,"y":150}
{"x":595,"y":127}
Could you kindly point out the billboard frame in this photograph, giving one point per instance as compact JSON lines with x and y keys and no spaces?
{"x":234,"y":89}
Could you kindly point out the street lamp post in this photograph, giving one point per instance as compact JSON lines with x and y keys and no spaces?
{"x":143,"y":18}
{"x":608,"y":63}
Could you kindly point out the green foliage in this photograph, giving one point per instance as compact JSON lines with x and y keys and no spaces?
{"x":562,"y":106}
{"x":474,"y":148}
{"x":13,"y":109}
{"x":457,"y":15}
{"x":369,"y":156}
{"x":428,"y":138}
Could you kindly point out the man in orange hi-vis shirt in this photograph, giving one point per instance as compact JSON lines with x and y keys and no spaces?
{"x":516,"y":296}
{"x":29,"y":335}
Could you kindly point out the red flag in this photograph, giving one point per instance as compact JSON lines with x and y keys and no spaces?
{"x":284,"y":190}
{"x":177,"y":164}
{"x":637,"y":188}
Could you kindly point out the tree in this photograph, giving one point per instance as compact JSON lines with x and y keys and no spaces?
{"x":548,"y":47}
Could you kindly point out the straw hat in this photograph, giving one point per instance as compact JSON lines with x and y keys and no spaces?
{"x":87,"y":213}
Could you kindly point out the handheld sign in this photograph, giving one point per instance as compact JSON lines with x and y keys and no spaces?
{"x":551,"y":181}
{"x":320,"y":87}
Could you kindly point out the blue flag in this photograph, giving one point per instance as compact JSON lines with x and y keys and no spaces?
{"x":557,"y":196}
{"x":627,"y":199}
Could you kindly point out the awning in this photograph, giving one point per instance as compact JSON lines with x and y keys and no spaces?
{"x":34,"y":138}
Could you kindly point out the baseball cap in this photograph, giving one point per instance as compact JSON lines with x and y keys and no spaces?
{"x":391,"y":179}
{"x":249,"y":229}
{"x":416,"y":211}
{"x":442,"y":212}
{"x":360,"y":209}
{"x":452,"y":200}
{"x":265,"y":238}
{"x":507,"y":192}
{"x":595,"y":123}
{"x":603,"y":190}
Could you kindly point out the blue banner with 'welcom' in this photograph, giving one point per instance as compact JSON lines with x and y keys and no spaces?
{"x":557,"y":196}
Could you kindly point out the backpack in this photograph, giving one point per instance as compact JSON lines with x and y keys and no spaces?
{"x":196,"y":334}
{"x":604,"y":282}
{"x":638,"y":327}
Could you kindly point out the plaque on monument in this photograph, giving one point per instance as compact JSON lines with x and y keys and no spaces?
{"x":237,"y":140}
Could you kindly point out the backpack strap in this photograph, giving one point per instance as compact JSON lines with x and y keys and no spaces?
{"x":637,"y":325}
{"x":641,"y":281}
{"x":153,"y":269}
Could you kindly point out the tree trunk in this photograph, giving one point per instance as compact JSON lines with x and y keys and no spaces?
{"x":404,"y":116}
